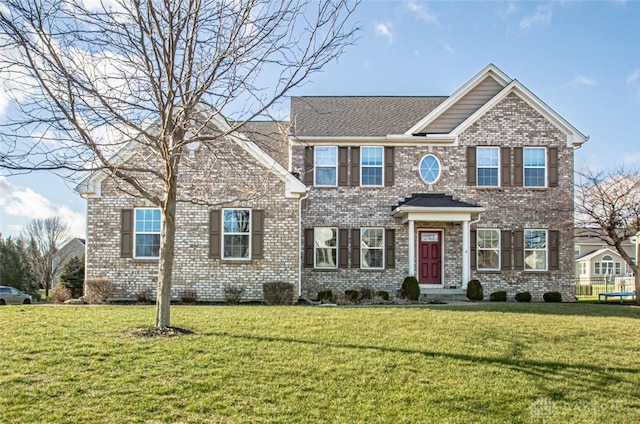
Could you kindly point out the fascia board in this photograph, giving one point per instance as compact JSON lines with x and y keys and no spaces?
{"x":489,"y":70}
{"x":387,"y":140}
{"x":416,"y":213}
{"x":599,"y":252}
{"x":574,"y":137}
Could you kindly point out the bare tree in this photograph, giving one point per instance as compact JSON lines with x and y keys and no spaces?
{"x":610,"y":203}
{"x":87,"y":79}
{"x":43,"y":238}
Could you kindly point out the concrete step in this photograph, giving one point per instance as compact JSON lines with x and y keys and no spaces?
{"x":444,"y":294}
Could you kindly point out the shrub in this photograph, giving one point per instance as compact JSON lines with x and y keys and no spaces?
{"x":144,"y":296}
{"x":366,"y":293}
{"x":72,"y":276}
{"x":98,"y":290}
{"x":382,"y":294}
{"x":523,"y":297}
{"x":278,"y":293}
{"x":325,"y":295}
{"x":410,"y":288}
{"x":552,"y":296}
{"x":498,"y":296}
{"x":60,"y":294}
{"x":351,"y":295}
{"x":233,"y":294}
{"x":475,"y":291}
{"x":189,"y":296}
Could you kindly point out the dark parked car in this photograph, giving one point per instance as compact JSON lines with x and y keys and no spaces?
{"x":11,"y":295}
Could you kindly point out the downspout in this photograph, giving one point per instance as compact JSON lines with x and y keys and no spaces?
{"x":300,"y":241}
{"x":466,"y":258}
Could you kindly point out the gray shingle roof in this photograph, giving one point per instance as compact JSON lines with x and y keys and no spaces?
{"x":358,"y":115}
{"x":433,"y":200}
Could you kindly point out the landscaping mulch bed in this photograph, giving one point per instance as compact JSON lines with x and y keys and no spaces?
{"x":149,"y":332}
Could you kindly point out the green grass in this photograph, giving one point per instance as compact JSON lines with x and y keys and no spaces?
{"x":485,"y":363}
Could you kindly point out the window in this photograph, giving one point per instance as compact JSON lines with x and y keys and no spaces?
{"x":535,"y":250}
{"x":607,"y":266}
{"x":488,"y":249}
{"x":487,"y":166}
{"x":326,"y":165}
{"x":236,"y":231}
{"x":430,"y":169}
{"x":372,"y":248}
{"x":535,"y":167}
{"x":371,"y":164}
{"x":582,"y":268}
{"x":325,"y":247}
{"x":147,"y":233}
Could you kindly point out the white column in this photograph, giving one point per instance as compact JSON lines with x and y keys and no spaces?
{"x":466,"y":247}
{"x":412,"y":248}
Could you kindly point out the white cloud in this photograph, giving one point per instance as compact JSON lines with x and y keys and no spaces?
{"x":631,"y":159}
{"x":447,"y":47}
{"x":633,"y":77}
{"x":583,"y":80}
{"x":541,"y":17}
{"x":25,"y":204}
{"x":510,"y":10}
{"x":422,"y":12}
{"x":383,"y":29}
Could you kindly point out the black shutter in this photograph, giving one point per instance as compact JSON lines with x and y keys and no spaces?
{"x":308,"y":247}
{"x":343,"y":166}
{"x":471,"y":166}
{"x":518,"y":169}
{"x":518,"y":241}
{"x":505,"y":247}
{"x":126,"y":233}
{"x":554,"y":250}
{"x":390,"y":248}
{"x":552,"y":153}
{"x":343,"y":247}
{"x":473,"y":258}
{"x":355,"y":166}
{"x":355,"y":248}
{"x":307,"y":178}
{"x":505,"y":166}
{"x":214,"y":234}
{"x":257,"y":234}
{"x":389,"y":166}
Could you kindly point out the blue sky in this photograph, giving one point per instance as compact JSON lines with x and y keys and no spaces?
{"x":582,"y":58}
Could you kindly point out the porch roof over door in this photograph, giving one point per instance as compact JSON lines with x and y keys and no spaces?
{"x":436,"y":207}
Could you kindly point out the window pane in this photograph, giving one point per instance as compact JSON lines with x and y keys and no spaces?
{"x":325,"y":176}
{"x":488,"y":239}
{"x":236,"y":221}
{"x":534,"y":177}
{"x":325,"y":247}
{"x":147,"y":245}
{"x":372,"y":258}
{"x":488,"y":259}
{"x":430,"y":169}
{"x":236,"y":246}
{"x":534,"y":156}
{"x":535,"y":259}
{"x":487,"y":156}
{"x":326,"y":156}
{"x":372,"y":237}
{"x":372,"y":176}
{"x":488,"y":177}
{"x":535,"y":239}
{"x":147,"y":220}
{"x":371,"y":156}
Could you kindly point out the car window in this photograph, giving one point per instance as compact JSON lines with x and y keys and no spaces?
{"x":5,"y":290}
{"x":14,"y":291}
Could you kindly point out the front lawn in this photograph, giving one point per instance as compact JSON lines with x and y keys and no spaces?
{"x":485,"y":363}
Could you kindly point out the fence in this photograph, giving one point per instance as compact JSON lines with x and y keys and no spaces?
{"x":592,"y":287}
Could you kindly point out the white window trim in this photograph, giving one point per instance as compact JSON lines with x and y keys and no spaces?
{"x":336,"y":247}
{"x":383,"y":249}
{"x":525,"y":167}
{"x":499,"y":249}
{"x":546,"y":250}
{"x":225,"y":234}
{"x":439,"y":168}
{"x":136,"y":232}
{"x":381,"y":166}
{"x":487,"y":167}
{"x":316,"y":166}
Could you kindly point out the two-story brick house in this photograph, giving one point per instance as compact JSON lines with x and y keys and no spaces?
{"x":475,"y":185}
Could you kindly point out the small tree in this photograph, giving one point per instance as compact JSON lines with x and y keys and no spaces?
{"x":72,"y":276}
{"x":609,"y":201}
{"x":14,"y":268}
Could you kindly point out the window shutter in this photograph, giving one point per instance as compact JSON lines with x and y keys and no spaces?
{"x":518,"y":172}
{"x":355,"y":248}
{"x":355,"y":166}
{"x":126,"y":233}
{"x":471,"y":166}
{"x":505,"y":246}
{"x":343,"y":247}
{"x":473,"y":257}
{"x":343,"y":166}
{"x":257,"y":234}
{"x":505,"y":166}
{"x":554,"y":250}
{"x":308,"y":166}
{"x":308,"y":247}
{"x":390,"y":248}
{"x":389,"y":166}
{"x":214,"y":234}
{"x":518,"y":241}
{"x":552,"y":153}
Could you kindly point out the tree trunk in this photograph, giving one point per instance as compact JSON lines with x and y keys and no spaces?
{"x":165,"y":266}
{"x":636,"y":275}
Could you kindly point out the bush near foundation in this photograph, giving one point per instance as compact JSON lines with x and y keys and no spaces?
{"x":410,"y":288}
{"x":552,"y":296}
{"x":278,"y":293}
{"x":384,"y":295}
{"x":60,"y":294}
{"x":99,"y":290}
{"x":351,"y":295}
{"x":498,"y":296}
{"x":325,"y":295}
{"x":475,"y":291}
{"x":523,"y":297}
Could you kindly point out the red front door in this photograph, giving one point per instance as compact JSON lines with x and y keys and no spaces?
{"x":430,"y":257}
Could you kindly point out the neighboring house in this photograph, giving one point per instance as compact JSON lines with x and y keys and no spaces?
{"x":74,"y":247}
{"x":475,"y":185}
{"x":595,"y":259}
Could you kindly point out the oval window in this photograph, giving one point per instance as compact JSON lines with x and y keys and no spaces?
{"x":430,"y":169}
